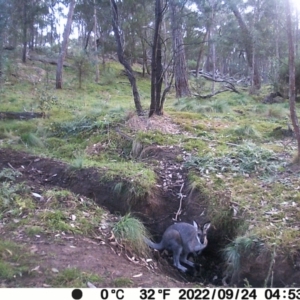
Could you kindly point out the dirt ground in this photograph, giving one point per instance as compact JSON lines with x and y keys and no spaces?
{"x":101,"y":257}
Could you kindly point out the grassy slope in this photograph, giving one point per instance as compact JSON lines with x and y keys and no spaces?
{"x":268,"y":205}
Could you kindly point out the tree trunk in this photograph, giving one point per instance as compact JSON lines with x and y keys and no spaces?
{"x":95,"y":44}
{"x":24,"y":50}
{"x":180,"y":68}
{"x":64,"y":45}
{"x":248,"y":44}
{"x":156,"y":63}
{"x":201,"y":50}
{"x":122,"y":59}
{"x":292,"y":88}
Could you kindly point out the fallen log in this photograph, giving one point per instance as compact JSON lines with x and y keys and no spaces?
{"x":227,"y":89}
{"x":47,"y":60}
{"x":20,"y":115}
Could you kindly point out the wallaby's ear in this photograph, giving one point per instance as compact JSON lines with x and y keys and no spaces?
{"x":206,"y":226}
{"x":195,"y":225}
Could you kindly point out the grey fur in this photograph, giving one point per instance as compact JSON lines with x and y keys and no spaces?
{"x":182,"y":239}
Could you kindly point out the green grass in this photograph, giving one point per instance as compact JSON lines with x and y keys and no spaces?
{"x":246,"y":158}
{"x":133,"y":180}
{"x":33,"y":230}
{"x":229,"y":138}
{"x":74,"y":277}
{"x":200,"y":106}
{"x":131,"y":232}
{"x":242,"y":248}
{"x":65,"y":212}
{"x":122,"y":282}
{"x":57,"y":220}
{"x":62,"y":211}
{"x":14,"y":260}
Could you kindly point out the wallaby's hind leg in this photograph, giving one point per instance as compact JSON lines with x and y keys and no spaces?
{"x":176,"y":258}
{"x":183,"y":258}
{"x":175,"y":245}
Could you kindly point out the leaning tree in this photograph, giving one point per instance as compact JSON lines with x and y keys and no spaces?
{"x":122,"y":59}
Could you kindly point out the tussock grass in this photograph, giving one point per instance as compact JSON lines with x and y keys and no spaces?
{"x":30,"y":139}
{"x":277,"y":112}
{"x":14,"y":260}
{"x":131,"y":232}
{"x":235,"y":99}
{"x":215,"y":106}
{"x":245,"y":131}
{"x":239,"y":249}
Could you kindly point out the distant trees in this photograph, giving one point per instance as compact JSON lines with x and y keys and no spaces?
{"x":248,"y":41}
{"x":240,"y":39}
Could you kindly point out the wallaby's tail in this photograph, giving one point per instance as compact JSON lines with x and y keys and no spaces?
{"x":154,"y":245}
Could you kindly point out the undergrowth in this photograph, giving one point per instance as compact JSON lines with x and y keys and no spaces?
{"x":247,"y":158}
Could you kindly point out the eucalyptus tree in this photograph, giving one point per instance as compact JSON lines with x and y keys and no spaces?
{"x":121,"y":56}
{"x":157,"y":102}
{"x":3,"y":21}
{"x":248,"y":41}
{"x":292,"y":88}
{"x":63,"y":52}
{"x":180,"y":66}
{"x":202,"y":27}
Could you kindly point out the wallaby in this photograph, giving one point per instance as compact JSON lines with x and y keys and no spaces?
{"x":182,"y":239}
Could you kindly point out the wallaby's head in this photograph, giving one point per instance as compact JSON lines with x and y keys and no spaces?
{"x":201,"y":232}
